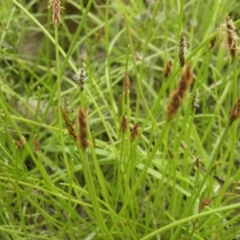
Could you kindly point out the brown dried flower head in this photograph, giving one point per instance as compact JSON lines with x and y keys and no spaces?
{"x":20,"y":143}
{"x":135,"y":131}
{"x":82,"y":135}
{"x":123,"y":124}
{"x":69,"y":124}
{"x":100,"y":34}
{"x":56,"y":11}
{"x":127,"y":84}
{"x":206,"y":202}
{"x":181,"y":50}
{"x":231,"y":37}
{"x":214,"y":40}
{"x":235,"y":112}
{"x":167,"y":68}
{"x":197,"y":162}
{"x":178,"y":94}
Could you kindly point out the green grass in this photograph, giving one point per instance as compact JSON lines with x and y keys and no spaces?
{"x":118,"y":188}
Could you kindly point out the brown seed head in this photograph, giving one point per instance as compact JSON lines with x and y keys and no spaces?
{"x":178,"y":94}
{"x":82,"y":135}
{"x":56,"y":11}
{"x":181,"y":53}
{"x":167,"y":68}
{"x":231,"y":37}
{"x":197,"y":162}
{"x":123,"y":124}
{"x":214,"y":40}
{"x":100,"y":34}
{"x":69,"y":124}
{"x":20,"y":143}
{"x":206,"y":202}
{"x":235,"y":112}
{"x":127,"y":84}
{"x":135,"y":131}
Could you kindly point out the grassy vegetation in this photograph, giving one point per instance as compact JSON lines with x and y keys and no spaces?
{"x":106,"y":154}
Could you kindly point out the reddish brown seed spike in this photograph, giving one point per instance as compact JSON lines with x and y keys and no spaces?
{"x":127,"y":84}
{"x":231,"y":37}
{"x":20,"y":143}
{"x":167,"y":68}
{"x":82,"y":135}
{"x":181,"y":53}
{"x":135,"y":131}
{"x":235,"y":112}
{"x":214,"y":40}
{"x":100,"y":34}
{"x":123,"y":124}
{"x":56,"y":11}
{"x":69,"y":124}
{"x":178,"y":94}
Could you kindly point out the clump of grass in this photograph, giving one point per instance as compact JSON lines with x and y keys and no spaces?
{"x":135,"y":183}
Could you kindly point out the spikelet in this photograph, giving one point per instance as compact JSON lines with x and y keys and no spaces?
{"x":231,"y":37}
{"x":135,"y":131}
{"x":20,"y":143}
{"x":56,"y":11}
{"x":178,"y":94}
{"x":69,"y":124}
{"x":235,"y":112}
{"x":80,"y":78}
{"x":181,"y":50}
{"x":123,"y":124}
{"x":127,"y":84}
{"x":214,"y":40}
{"x":167,"y":68}
{"x":82,"y":134}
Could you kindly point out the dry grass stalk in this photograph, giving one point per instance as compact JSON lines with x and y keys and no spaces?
{"x":135,"y":131}
{"x":181,"y":53}
{"x":231,"y":37}
{"x":56,"y":11}
{"x":69,"y":124}
{"x":82,"y":135}
{"x":235,"y":112}
{"x":167,"y":69}
{"x":127,"y":84}
{"x":178,"y":94}
{"x":123,"y":124}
